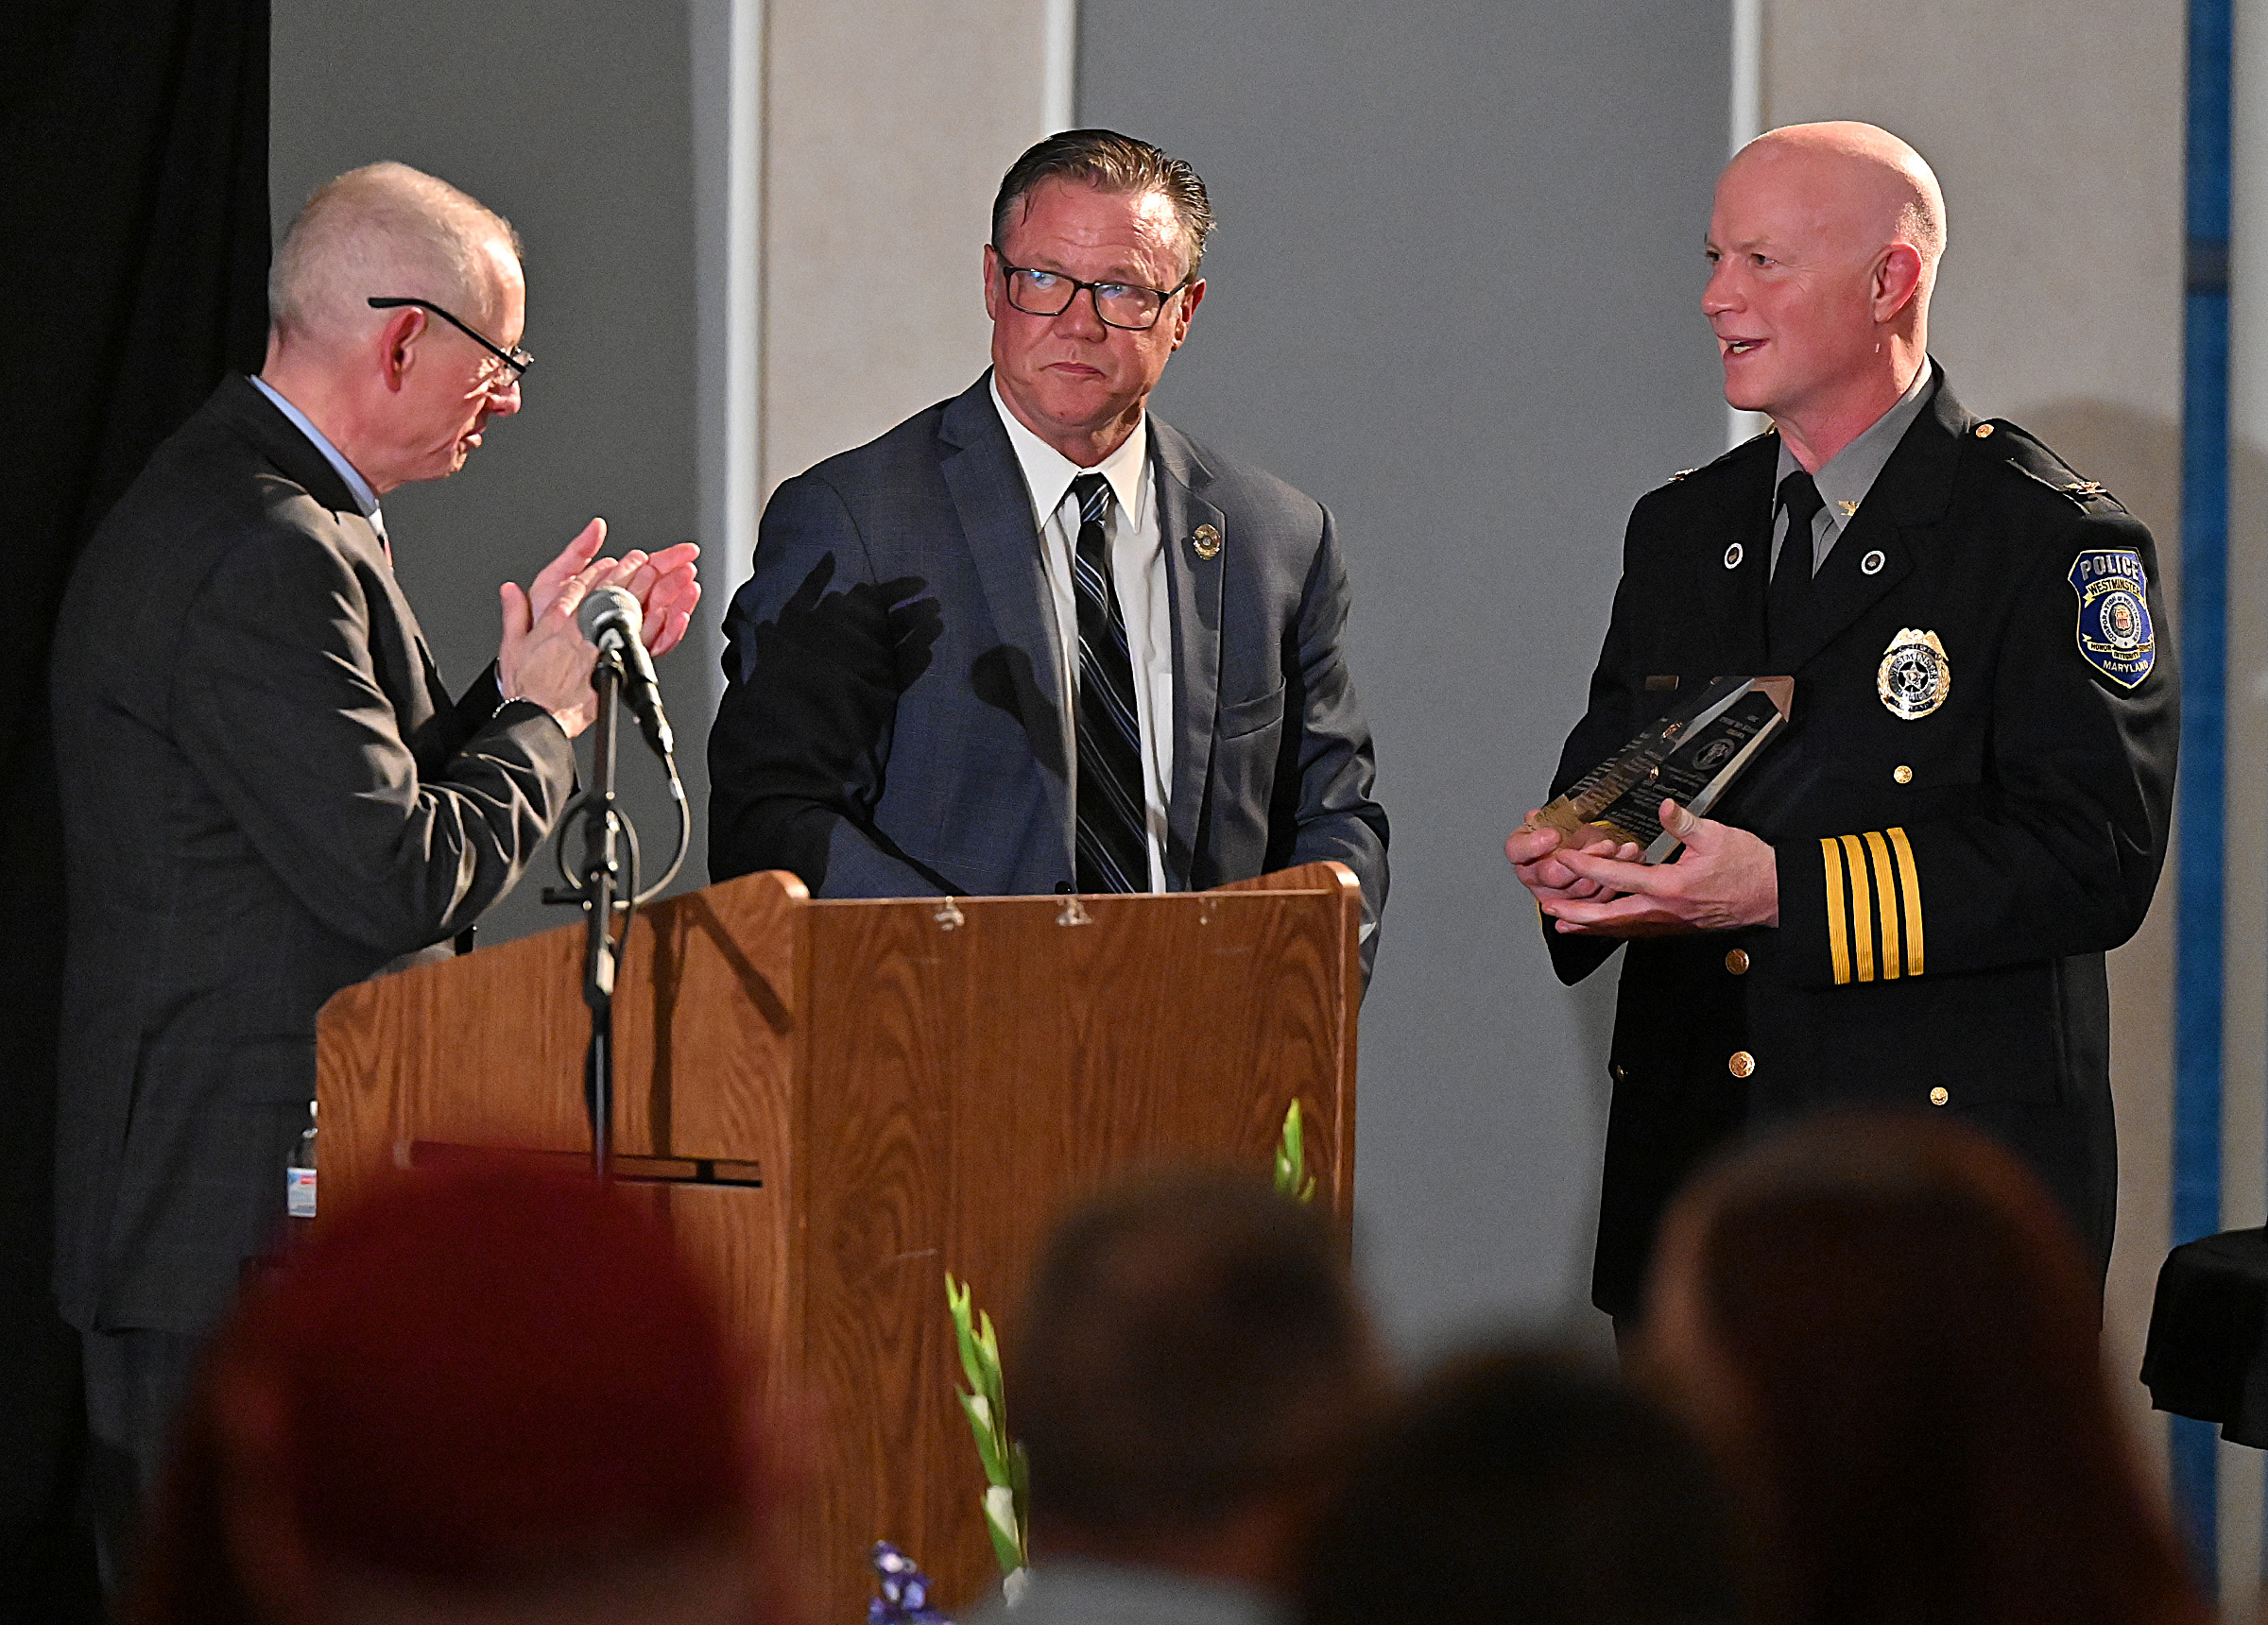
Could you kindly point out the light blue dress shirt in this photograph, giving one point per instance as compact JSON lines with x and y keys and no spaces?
{"x":366,"y":500}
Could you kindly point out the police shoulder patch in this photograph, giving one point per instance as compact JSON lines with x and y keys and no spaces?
{"x":2115,"y":634}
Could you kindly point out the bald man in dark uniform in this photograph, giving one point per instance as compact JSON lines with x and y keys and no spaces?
{"x":1908,"y":898}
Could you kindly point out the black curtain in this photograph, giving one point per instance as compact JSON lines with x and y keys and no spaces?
{"x":133,"y":257}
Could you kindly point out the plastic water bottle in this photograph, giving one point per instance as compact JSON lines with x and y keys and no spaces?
{"x":298,"y":1178}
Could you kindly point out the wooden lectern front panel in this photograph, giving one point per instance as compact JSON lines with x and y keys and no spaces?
{"x":833,"y":1103}
{"x":487,"y":1051}
{"x":965,"y":1086}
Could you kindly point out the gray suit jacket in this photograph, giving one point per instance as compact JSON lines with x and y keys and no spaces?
{"x":268,"y":795}
{"x":892,"y":719}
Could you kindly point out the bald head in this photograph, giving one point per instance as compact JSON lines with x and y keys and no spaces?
{"x":386,"y":231}
{"x":1868,"y":188}
{"x":1825,"y":240}
{"x":405,"y":392}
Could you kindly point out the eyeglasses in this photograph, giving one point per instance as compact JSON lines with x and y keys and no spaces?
{"x":516,"y":360}
{"x":1126,"y":305}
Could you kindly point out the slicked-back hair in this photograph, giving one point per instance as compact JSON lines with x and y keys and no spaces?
{"x":1191,"y":1344}
{"x":1114,"y":163}
{"x":383,"y":224}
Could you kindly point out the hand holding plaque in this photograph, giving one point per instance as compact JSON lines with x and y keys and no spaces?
{"x":1693,"y":754}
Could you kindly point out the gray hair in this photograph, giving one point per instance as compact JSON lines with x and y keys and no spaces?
{"x":382,"y":230}
{"x":1115,"y":163}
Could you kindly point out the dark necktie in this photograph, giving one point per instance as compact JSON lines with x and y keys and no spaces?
{"x":1788,"y":608}
{"x":1113,"y":852}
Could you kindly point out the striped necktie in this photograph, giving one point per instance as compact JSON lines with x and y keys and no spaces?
{"x":1113,"y":853}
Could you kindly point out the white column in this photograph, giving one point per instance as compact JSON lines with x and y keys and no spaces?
{"x":728,"y":125}
{"x":1750,"y":118}
{"x":1059,"y":66}
{"x":846,"y":156}
{"x":886,"y":130}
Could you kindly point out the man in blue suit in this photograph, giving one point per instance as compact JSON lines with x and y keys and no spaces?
{"x":1034,"y":639}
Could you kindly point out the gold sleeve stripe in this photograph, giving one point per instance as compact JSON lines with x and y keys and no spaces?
{"x":1884,"y":884}
{"x":1838,"y":933}
{"x":1862,"y":910}
{"x":1908,"y":876}
{"x":1886,"y":901}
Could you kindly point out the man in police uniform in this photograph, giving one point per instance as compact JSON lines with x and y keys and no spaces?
{"x":1907,"y":900}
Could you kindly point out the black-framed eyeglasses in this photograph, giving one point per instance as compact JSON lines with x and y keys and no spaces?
{"x":1126,"y":305}
{"x":518,"y":360}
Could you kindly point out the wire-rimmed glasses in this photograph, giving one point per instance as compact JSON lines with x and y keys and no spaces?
{"x":516,"y":360}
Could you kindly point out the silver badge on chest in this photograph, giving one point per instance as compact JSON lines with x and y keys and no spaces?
{"x":1916,"y":675}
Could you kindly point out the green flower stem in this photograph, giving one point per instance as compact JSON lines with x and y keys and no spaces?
{"x":1007,"y":1496}
{"x":1291,"y":1179}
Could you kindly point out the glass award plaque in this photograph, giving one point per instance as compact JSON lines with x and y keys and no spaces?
{"x":1693,"y":754}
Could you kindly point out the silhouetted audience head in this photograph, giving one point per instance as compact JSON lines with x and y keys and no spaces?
{"x":486,"y":1394}
{"x":1192,"y":1369}
{"x":1887,"y":1327}
{"x":1522,"y":1489}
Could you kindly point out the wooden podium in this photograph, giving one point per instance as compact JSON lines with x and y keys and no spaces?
{"x":833,"y":1103}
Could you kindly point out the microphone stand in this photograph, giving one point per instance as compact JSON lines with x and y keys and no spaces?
{"x":600,"y":887}
{"x":602,"y":874}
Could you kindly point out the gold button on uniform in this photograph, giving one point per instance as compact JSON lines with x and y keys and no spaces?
{"x":1737,"y":961}
{"x":1939,"y":1095}
{"x":1903,"y":774}
{"x":1742,"y":1063}
{"x":1983,"y":431}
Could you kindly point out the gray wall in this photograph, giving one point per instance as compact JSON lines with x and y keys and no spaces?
{"x":572,"y":118}
{"x":1454,"y":295}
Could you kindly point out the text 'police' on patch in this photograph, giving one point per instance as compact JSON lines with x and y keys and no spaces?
{"x":2115,"y":634}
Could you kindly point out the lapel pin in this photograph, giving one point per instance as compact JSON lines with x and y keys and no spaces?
{"x":1849,"y":509}
{"x":1872,"y":564}
{"x":1207,"y":541}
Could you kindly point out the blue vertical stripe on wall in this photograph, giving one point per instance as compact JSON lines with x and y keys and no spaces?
{"x":2203,"y":630}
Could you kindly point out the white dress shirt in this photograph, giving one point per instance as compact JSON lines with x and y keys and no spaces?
{"x":1138,"y":573}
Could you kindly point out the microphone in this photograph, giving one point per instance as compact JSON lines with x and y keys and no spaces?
{"x":610,"y":618}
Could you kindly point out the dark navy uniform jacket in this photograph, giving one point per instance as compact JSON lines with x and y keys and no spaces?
{"x":1962,"y":828}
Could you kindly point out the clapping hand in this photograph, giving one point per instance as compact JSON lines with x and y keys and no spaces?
{"x":666,"y":584}
{"x":543,"y":656}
